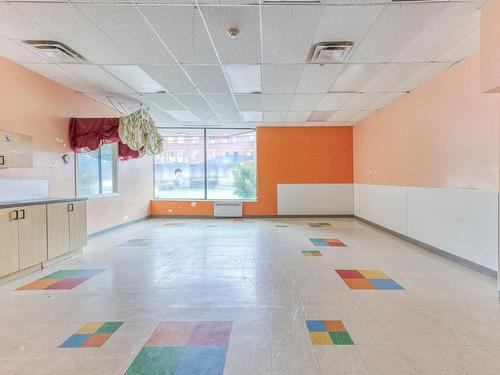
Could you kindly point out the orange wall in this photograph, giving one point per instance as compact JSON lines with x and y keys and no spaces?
{"x":490,"y":42}
{"x":285,"y":155}
{"x":443,"y":134}
{"x":34,"y":105}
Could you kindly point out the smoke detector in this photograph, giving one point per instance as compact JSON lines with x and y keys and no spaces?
{"x":330,"y":52}
{"x":233,"y":32}
{"x":55,"y":51}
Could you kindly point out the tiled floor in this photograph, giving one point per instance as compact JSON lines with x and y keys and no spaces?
{"x":253,"y":290}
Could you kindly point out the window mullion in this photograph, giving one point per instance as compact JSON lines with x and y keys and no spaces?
{"x":205,"y":161}
{"x":99,"y":169}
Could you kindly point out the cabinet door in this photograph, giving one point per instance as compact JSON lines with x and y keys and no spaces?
{"x":78,"y":225}
{"x":32,"y":235}
{"x":57,"y":229}
{"x":16,"y":150}
{"x":9,"y":242}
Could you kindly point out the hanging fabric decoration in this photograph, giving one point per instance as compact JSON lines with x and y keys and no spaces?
{"x":139,"y":132}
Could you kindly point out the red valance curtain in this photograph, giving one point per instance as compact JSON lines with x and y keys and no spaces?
{"x":88,"y":134}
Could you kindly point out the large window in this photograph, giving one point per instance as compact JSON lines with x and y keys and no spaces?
{"x":96,"y":171}
{"x":206,"y":164}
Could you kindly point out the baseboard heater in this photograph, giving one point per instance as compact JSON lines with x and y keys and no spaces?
{"x":228,"y":209}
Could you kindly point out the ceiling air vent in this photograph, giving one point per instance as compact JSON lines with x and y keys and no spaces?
{"x":55,"y":51}
{"x":330,"y":52}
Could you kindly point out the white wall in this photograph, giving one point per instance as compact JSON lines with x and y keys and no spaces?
{"x":462,"y":222}
{"x":315,"y":199}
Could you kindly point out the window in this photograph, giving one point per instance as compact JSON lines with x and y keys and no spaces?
{"x":96,"y":171}
{"x":210,"y":164}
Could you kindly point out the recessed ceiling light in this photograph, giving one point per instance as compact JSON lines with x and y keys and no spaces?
{"x":183,"y":116}
{"x":135,"y":77}
{"x":244,"y":79}
{"x":252,"y":116}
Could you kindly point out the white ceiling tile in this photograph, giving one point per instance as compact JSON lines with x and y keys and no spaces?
{"x":305,"y":102}
{"x":230,"y":116}
{"x":301,"y":116}
{"x":194,"y":103}
{"x":97,"y":77}
{"x":126,"y":27}
{"x":271,"y":117}
{"x":17,"y":52}
{"x":245,"y":48}
{"x":249,"y":102}
{"x":354,"y":76}
{"x":385,"y":100}
{"x":62,"y":77}
{"x":346,"y":23}
{"x":208,"y":78}
{"x":164,"y":101}
{"x":288,"y":32}
{"x":334,"y":101}
{"x":221,"y":102}
{"x":351,"y":2}
{"x":318,"y":78}
{"x":251,"y":116}
{"x":100,"y":98}
{"x":244,"y":78}
{"x":361,"y":115}
{"x":343,"y":116}
{"x":391,"y":76}
{"x":16,"y":25}
{"x":422,"y":75}
{"x":280,"y":79}
{"x":464,"y":48}
{"x":71,"y":27}
{"x":393,"y":29}
{"x":182,"y":29}
{"x":321,"y":116}
{"x":277,"y":102}
{"x":171,"y":77}
{"x":135,"y":77}
{"x":361,"y":100}
{"x":453,"y":22}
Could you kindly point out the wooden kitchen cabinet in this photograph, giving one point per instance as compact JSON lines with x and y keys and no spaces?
{"x":9,"y":242}
{"x":32,"y":235}
{"x":57,"y":229}
{"x":77,"y":225}
{"x":16,"y":150}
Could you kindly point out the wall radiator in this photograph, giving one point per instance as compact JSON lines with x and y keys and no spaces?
{"x":228,"y":209}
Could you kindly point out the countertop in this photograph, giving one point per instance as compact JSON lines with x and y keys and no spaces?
{"x":34,"y":202}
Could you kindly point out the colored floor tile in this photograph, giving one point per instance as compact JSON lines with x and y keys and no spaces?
{"x":328,"y":332}
{"x":65,"y":284}
{"x":320,"y":225}
{"x":311,"y":253}
{"x":63,"y":279}
{"x":92,"y":335}
{"x":39,"y":284}
{"x":326,"y":242}
{"x":368,"y":279}
{"x":184,"y":348}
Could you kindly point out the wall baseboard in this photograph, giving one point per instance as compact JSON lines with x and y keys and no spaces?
{"x":131,"y":222}
{"x":454,"y":258}
{"x":335,"y":216}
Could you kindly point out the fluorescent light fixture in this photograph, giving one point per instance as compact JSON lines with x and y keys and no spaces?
{"x":244,"y":79}
{"x":183,"y":116}
{"x":252,"y":116}
{"x":135,"y":77}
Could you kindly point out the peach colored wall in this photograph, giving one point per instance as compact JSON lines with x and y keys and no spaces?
{"x":34,"y":105}
{"x":443,"y":134}
{"x":490,"y":46}
{"x":285,"y":155}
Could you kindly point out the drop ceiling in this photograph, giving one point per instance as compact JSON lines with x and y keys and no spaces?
{"x":177,"y":58}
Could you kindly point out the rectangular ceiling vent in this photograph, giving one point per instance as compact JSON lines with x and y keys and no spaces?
{"x":330,"y":52}
{"x":55,"y":51}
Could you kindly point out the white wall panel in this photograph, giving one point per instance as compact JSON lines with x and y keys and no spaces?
{"x":315,"y":199}
{"x":461,"y":222}
{"x":384,"y":205}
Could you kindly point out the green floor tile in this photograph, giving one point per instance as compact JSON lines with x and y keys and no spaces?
{"x":156,"y":360}
{"x":341,"y":338}
{"x":61,"y":274}
{"x":109,"y":327}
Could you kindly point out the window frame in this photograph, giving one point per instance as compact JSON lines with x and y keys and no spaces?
{"x":204,"y":140}
{"x":99,"y":164}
